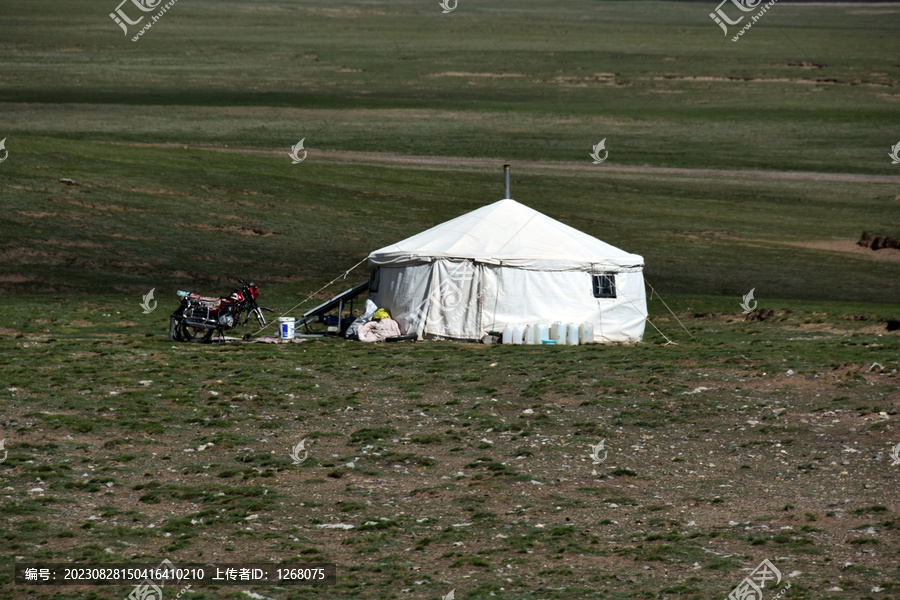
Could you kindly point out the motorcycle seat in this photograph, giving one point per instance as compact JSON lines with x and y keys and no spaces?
{"x":207,"y":301}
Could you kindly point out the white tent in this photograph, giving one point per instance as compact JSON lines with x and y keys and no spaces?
{"x":507,"y":264}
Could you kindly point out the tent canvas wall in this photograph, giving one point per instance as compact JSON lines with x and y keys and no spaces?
{"x":506,"y":264}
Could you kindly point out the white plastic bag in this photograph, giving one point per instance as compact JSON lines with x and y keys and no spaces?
{"x":371,"y":307}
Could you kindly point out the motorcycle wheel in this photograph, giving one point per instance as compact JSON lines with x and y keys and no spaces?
{"x":175,"y":328}
{"x":199,"y":334}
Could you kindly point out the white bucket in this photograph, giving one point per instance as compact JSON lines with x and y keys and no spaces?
{"x":572,"y":334}
{"x":518,"y":334}
{"x":586,"y":333}
{"x":286,"y":327}
{"x":558,"y":333}
{"x":542,"y":332}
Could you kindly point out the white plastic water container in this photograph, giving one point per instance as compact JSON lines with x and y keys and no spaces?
{"x":558,"y":333}
{"x":507,"y":336}
{"x":518,"y":334}
{"x":529,"y":337}
{"x":586,"y":333}
{"x":542,"y":332}
{"x":286,"y":327}
{"x":572,"y":334}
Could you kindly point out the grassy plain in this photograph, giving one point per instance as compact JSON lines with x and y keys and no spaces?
{"x":460,"y":467}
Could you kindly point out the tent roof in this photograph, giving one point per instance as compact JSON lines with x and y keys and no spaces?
{"x":509,"y":233}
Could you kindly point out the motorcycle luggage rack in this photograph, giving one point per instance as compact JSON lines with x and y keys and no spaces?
{"x":198,"y":316}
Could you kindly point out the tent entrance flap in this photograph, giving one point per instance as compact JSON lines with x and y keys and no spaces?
{"x":454,"y":309}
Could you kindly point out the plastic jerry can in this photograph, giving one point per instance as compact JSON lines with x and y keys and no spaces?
{"x":558,"y":332}
{"x":529,"y":336}
{"x":586,"y":333}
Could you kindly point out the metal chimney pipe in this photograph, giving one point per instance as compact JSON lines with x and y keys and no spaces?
{"x":506,"y":177}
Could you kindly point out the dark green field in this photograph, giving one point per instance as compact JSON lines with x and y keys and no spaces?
{"x":732,"y":166}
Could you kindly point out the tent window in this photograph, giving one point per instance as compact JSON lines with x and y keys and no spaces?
{"x":604,"y":286}
{"x":374,"y":279}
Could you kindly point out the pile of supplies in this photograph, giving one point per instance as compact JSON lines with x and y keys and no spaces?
{"x":374,"y":325}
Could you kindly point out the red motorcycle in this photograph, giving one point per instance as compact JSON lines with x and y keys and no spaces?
{"x":199,"y":317}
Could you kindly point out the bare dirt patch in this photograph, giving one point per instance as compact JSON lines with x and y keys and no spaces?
{"x":20,"y":252}
{"x":825,"y":328}
{"x":72,"y":243}
{"x":850,"y":247}
{"x":37,"y":214}
{"x":157,"y":191}
{"x":96,"y":205}
{"x":467,"y":74}
{"x":807,"y":65}
{"x":711,"y":78}
{"x":128,"y":237}
{"x":595,"y":80}
{"x":238,"y":229}
{"x":345,"y":12}
{"x":81,"y":323}
{"x":843,"y":246}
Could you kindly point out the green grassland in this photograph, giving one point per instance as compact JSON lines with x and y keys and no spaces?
{"x":461,"y":467}
{"x":815,"y":89}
